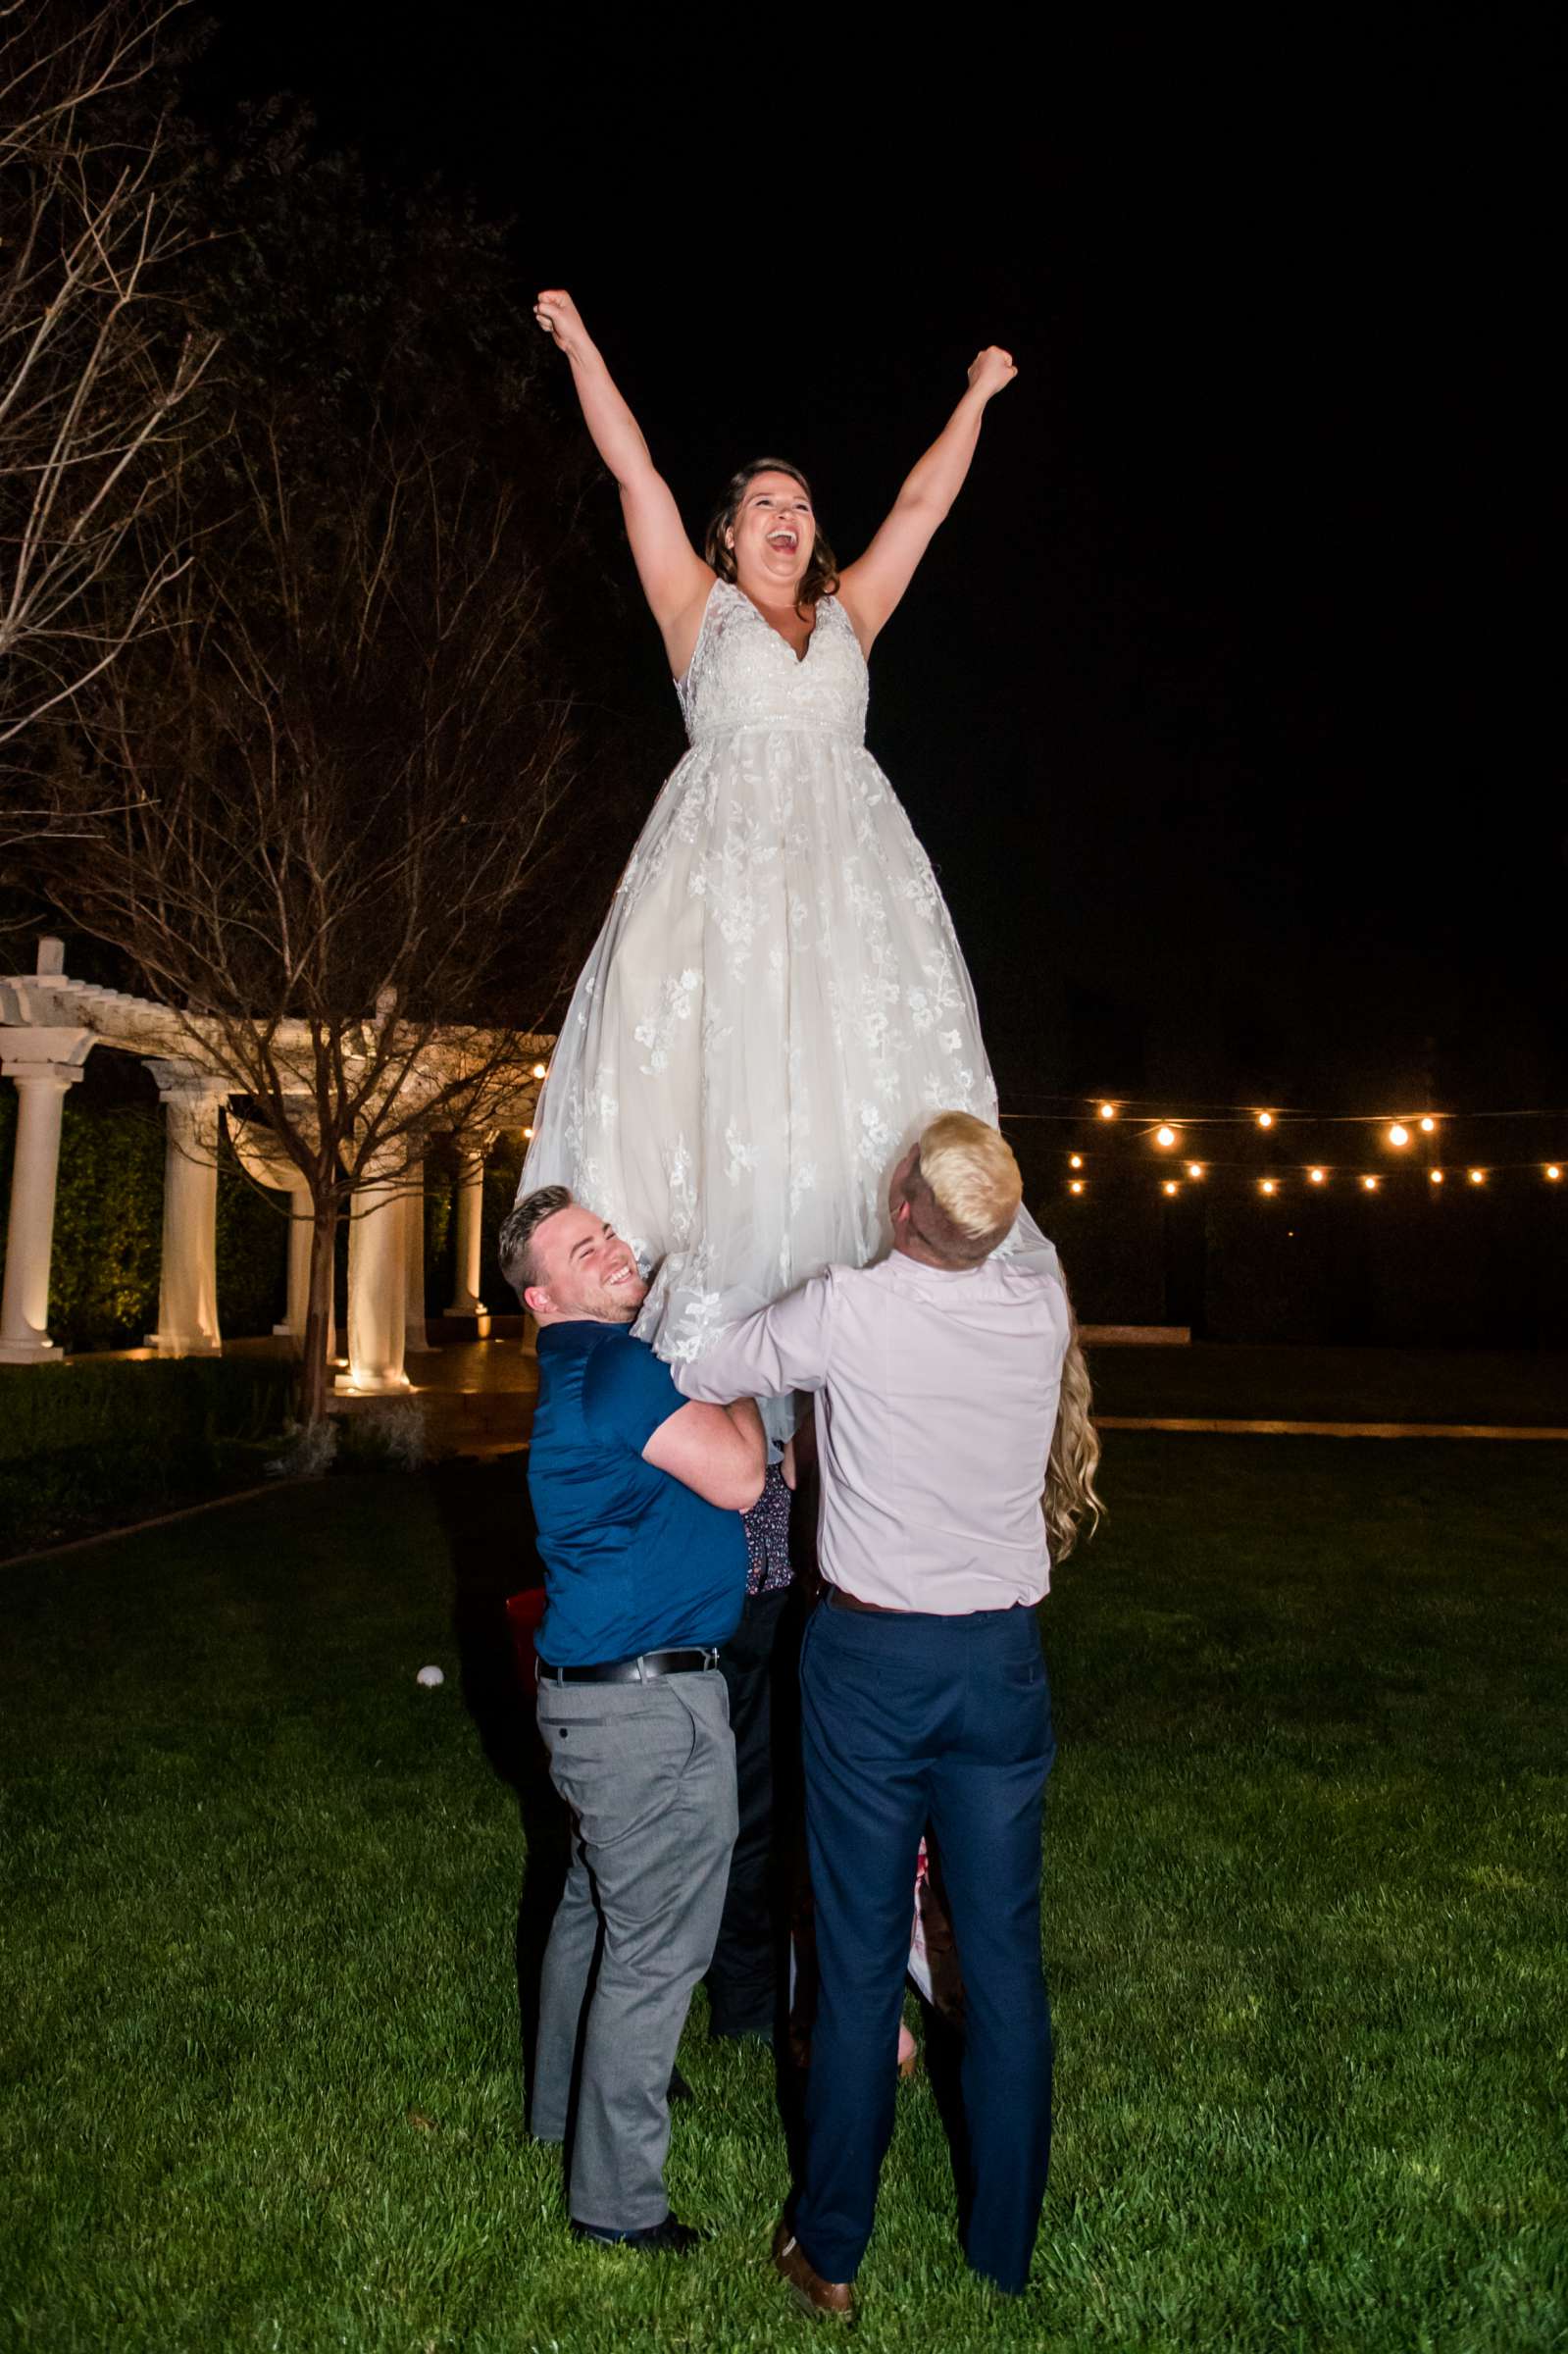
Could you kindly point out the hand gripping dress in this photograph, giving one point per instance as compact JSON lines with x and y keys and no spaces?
{"x":777,"y":1003}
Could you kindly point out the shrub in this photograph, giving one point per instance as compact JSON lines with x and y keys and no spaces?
{"x":87,"y":1445}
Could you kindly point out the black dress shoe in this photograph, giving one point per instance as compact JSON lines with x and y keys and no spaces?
{"x":672,"y":2238}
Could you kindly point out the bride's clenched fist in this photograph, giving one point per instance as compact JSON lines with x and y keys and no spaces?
{"x":990,"y":370}
{"x":562,"y":321}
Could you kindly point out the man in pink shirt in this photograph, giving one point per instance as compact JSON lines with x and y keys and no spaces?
{"x":923,"y":1696}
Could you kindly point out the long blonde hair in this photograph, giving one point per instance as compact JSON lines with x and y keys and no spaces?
{"x":1072,"y":1500}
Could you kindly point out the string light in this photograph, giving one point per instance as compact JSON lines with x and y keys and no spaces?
{"x":1171,"y":1186}
{"x":1194,"y":1168}
{"x":1478,"y":1176}
{"x":1076,"y":1186}
{"x":1165,"y":1134}
{"x":1107,"y":1111}
{"x":1398,"y":1133}
{"x":1075,"y":1160}
{"x":529,"y":1135}
{"x":539,"y":1070}
{"x":1268,"y":1186}
{"x":1316,"y":1176}
{"x":1428,"y":1123}
{"x":1434,"y":1176}
{"x":1265,"y":1120}
{"x":1554,"y":1172}
{"x":1370,"y":1183}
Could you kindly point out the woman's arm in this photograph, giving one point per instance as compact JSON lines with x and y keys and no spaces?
{"x":870,"y":587}
{"x":675,"y":579}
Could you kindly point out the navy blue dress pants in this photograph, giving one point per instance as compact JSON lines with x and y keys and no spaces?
{"x":910,"y":1718}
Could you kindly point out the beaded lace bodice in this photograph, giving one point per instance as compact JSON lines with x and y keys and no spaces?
{"x":743,"y":674}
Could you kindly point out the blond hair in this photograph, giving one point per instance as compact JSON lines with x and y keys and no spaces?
{"x":1072,"y":1500}
{"x":963,"y":1188}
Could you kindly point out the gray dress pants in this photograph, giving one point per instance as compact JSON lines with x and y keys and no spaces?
{"x":649,"y":1773}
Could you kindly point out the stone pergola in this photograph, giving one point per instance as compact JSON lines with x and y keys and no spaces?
{"x":49,"y":1025}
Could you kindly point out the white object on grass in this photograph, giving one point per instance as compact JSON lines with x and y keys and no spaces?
{"x":430,"y":1676}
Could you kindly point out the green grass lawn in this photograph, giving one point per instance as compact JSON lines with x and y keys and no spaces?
{"x":1304,"y":1923}
{"x":1236,"y":1381}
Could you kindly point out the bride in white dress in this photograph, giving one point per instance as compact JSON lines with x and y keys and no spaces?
{"x":777,"y":1003}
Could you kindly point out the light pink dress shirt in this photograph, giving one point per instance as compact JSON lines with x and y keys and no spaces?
{"x":938,"y":1394}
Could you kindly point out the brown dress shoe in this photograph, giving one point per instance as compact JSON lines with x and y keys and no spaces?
{"x":811,"y":2292}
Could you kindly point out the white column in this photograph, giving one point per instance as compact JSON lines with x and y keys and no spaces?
{"x":377,"y":1272}
{"x":414,"y":1333}
{"x":187,"y":1284}
{"x":300,"y":1227}
{"x":42,"y":1063}
{"x":466,"y":1300}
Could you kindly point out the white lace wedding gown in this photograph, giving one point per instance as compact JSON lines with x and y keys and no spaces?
{"x":777,"y":1003}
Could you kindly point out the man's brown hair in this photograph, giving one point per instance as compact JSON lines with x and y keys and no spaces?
{"x":522,"y":1222}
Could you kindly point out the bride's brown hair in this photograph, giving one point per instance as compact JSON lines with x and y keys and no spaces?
{"x":822,"y":571}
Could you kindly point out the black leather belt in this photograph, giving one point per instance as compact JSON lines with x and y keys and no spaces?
{"x":641,"y":1670}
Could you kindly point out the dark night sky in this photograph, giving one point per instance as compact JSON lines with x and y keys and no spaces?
{"x":1226,"y":702}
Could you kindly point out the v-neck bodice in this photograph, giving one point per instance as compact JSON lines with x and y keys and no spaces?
{"x":744,"y":673}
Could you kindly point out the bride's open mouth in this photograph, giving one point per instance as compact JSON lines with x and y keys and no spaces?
{"x":788,"y":541}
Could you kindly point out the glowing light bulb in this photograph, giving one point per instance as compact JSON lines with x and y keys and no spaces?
{"x":1369,"y":1184}
{"x":1107,"y":1111}
{"x":528,"y":1133}
{"x":1478,"y":1176}
{"x":1428,"y":1123}
{"x":1398,"y":1133}
{"x":1268,"y":1186}
{"x":1075,"y":1160}
{"x":1265,"y":1120}
{"x":1554,"y":1172}
{"x":1165,"y":1134}
{"x":1316,"y":1176}
{"x":1434,"y":1176}
{"x":1194,"y":1168}
{"x":1171,"y":1186}
{"x":538,"y":1070}
{"x":1076,"y":1186}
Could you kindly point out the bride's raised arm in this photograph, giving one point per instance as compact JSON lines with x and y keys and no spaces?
{"x":675,"y":579}
{"x":871,"y":587}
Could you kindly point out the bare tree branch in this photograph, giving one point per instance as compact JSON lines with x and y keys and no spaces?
{"x":99,"y":370}
{"x":331,"y":791}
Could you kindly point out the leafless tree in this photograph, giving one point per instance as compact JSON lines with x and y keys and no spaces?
{"x":98,"y":367}
{"x":337,"y":775}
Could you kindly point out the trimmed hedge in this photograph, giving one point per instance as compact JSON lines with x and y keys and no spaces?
{"x":87,"y":1445}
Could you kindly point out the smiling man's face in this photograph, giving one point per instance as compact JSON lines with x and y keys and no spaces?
{"x":588,"y":1273}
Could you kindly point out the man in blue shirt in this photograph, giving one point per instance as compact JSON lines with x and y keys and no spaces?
{"x":637,"y":1496}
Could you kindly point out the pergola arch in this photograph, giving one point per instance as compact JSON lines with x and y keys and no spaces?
{"x":49,"y":1025}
